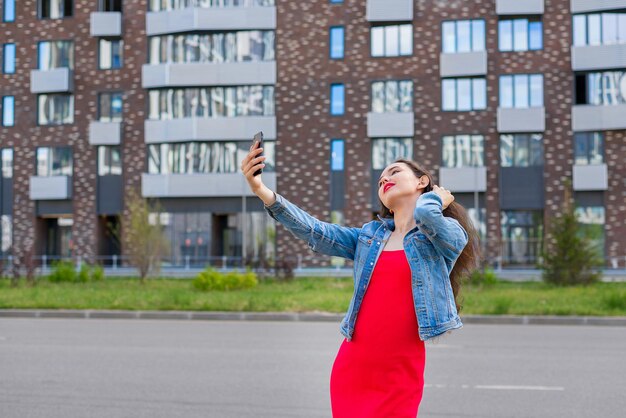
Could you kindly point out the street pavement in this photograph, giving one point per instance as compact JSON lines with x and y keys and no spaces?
{"x":76,"y":368}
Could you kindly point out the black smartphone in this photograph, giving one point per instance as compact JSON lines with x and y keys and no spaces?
{"x":258,"y":138}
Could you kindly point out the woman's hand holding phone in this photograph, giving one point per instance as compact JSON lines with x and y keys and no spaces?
{"x":250,"y":164}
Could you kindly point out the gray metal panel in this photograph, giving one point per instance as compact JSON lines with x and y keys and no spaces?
{"x":199,"y":185}
{"x":337,"y":190}
{"x":467,"y":199}
{"x":110,"y":195}
{"x":463,"y":64}
{"x":218,"y":129}
{"x":50,"y":187}
{"x":598,"y":118}
{"x":105,"y":133}
{"x":521,"y":188}
{"x":589,"y":198}
{"x":581,"y":6}
{"x":54,"y":207}
{"x":590,"y":177}
{"x":208,"y":74}
{"x":390,"y":124}
{"x":532,"y":119}
{"x":389,"y":10}
{"x":463,"y":179}
{"x":598,"y":57}
{"x":375,"y":202}
{"x":57,"y":80}
{"x":7,"y":196}
{"x":519,"y":7}
{"x":213,"y":18}
{"x":105,"y":24}
{"x":220,"y":205}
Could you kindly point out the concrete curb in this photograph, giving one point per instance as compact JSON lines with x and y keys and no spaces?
{"x":295,"y":316}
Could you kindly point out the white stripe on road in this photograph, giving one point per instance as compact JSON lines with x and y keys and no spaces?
{"x":495,"y":387}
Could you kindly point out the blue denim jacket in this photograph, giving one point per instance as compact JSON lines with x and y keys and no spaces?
{"x":431,"y":249}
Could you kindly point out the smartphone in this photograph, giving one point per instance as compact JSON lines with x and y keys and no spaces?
{"x":258,"y":138}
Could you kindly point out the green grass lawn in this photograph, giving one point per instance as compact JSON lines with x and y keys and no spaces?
{"x":304,"y":295}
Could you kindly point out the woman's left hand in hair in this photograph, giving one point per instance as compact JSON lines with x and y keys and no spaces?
{"x":445,"y":195}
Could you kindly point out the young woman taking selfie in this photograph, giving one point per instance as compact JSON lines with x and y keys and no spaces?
{"x":408,"y":266}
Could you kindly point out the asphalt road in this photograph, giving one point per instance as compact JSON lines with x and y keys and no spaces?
{"x":70,"y":368}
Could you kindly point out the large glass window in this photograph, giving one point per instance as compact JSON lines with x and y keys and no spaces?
{"x":462,"y":94}
{"x":54,"y":161}
{"x":9,"y":11}
{"x":387,"y":150}
{"x":336,"y":154}
{"x":55,"y":109}
{"x":110,"y":5}
{"x":521,"y":90}
{"x":56,"y":54}
{"x":463,"y":151}
{"x":336,"y":42}
{"x":110,"y":53}
{"x":603,"y":88}
{"x":162,"y":5}
{"x":591,"y":221}
{"x":599,"y":28}
{"x":391,"y":40}
{"x":8,"y":111}
{"x":55,"y":9}
{"x":522,"y":236}
{"x":109,"y":160}
{"x":521,"y":150}
{"x":392,"y":96}
{"x":110,"y":107}
{"x":337,"y":99}
{"x":8,"y":62}
{"x":7,"y":163}
{"x":520,"y":35}
{"x":463,"y":35}
{"x":588,"y":148}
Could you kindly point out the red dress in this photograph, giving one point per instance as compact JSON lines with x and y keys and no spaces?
{"x":380,"y":373}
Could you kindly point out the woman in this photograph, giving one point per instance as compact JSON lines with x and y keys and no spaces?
{"x":410,"y":261}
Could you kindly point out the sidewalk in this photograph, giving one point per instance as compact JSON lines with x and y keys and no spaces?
{"x":295,"y":316}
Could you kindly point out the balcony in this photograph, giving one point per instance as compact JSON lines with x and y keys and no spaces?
{"x":530,"y":119}
{"x":105,"y":133}
{"x":519,"y":7}
{"x":389,"y":10}
{"x":214,"y":18}
{"x":106,"y":24}
{"x":199,"y":185}
{"x":583,"y":6}
{"x":50,"y":187}
{"x":390,"y":124}
{"x":222,"y":128}
{"x":598,"y":118}
{"x":463,"y":64}
{"x":464,"y":179}
{"x":208,"y":74}
{"x":57,"y":80}
{"x":598,"y":57}
{"x":590,"y":177}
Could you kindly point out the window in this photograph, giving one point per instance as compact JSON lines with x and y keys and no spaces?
{"x":605,"y":88}
{"x":387,"y":150}
{"x":461,"y":94}
{"x":336,"y":1}
{"x":588,"y":148}
{"x":55,"y":54}
{"x":520,"y":35}
{"x":211,"y":102}
{"x":599,"y":29}
{"x":521,"y":90}
{"x":521,"y":150}
{"x":55,"y":109}
{"x":8,"y":61}
{"x":391,"y":40}
{"x":110,"y":55}
{"x":110,"y":107}
{"x":336,"y":154}
{"x":463,"y":151}
{"x":7,"y":163}
{"x":109,"y":160}
{"x":55,"y":9}
{"x":463,"y":36}
{"x":337,"y":99}
{"x":110,"y":5}
{"x":8,"y":111}
{"x":392,"y":96}
{"x":158,"y":5}
{"x":54,"y":161}
{"x":9,"y":11}
{"x":591,"y":221}
{"x":336,"y":42}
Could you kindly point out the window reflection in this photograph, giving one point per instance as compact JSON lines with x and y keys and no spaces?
{"x":462,"y":151}
{"x":521,"y":150}
{"x":387,"y":150}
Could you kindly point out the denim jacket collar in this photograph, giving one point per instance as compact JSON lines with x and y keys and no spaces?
{"x":388,"y":222}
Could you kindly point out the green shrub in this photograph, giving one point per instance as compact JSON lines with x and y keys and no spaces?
{"x":485,"y":277}
{"x":210,"y":279}
{"x":62,"y":271}
{"x":97,"y":274}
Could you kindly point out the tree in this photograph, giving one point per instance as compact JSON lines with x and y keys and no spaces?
{"x":569,"y":255}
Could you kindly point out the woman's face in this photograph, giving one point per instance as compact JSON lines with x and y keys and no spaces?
{"x":398,"y":182}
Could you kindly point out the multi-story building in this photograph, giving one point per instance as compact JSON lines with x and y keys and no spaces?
{"x":500,"y":101}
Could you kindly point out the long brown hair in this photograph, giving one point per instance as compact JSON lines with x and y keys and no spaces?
{"x":470,"y":257}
